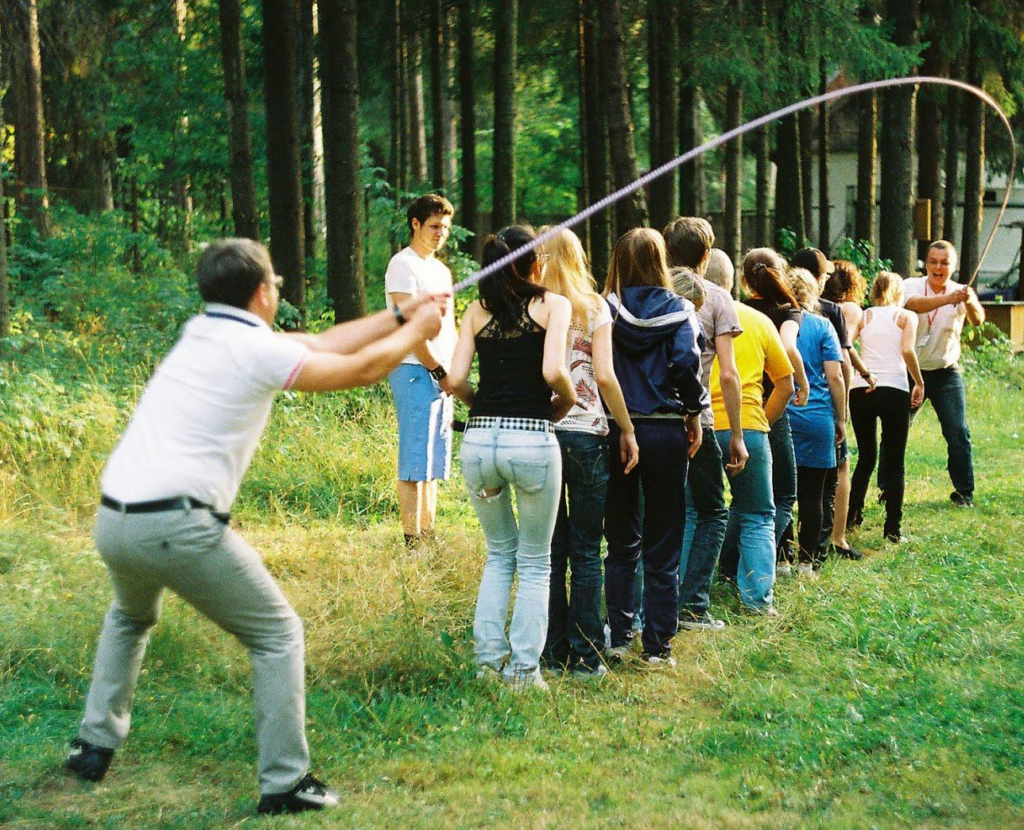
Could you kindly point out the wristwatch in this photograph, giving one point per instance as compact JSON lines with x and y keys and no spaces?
{"x":399,"y":317}
{"x":438,"y":373}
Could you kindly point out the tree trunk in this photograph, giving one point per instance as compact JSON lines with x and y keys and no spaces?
{"x":824,"y":208}
{"x":236,"y":98}
{"x":953,"y":113}
{"x":665,"y":94}
{"x":284,"y":166}
{"x":929,"y":126}
{"x":789,"y":192}
{"x":5,"y":309}
{"x":451,"y":131}
{"x":417,"y":127}
{"x":304,"y":53}
{"x":806,"y":119}
{"x":21,"y":19}
{"x":598,"y":170}
{"x":692,"y":197}
{"x":467,"y":125}
{"x":399,"y":105}
{"x":974,"y":168}
{"x":630,"y":212}
{"x":583,"y":193}
{"x":503,"y":211}
{"x":181,"y":190}
{"x":733,"y":219}
{"x":762,"y":210}
{"x":897,"y":151}
{"x":867,"y":164}
{"x":339,"y":80}
{"x":440,"y":97}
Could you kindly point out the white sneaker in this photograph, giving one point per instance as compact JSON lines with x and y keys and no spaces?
{"x":783,"y":569}
{"x":522,"y":681}
{"x":656,"y":661}
{"x":616,"y":653}
{"x":808,"y":572}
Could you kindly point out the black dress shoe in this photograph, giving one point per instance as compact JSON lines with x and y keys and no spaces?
{"x":846,"y":553}
{"x":88,"y":761}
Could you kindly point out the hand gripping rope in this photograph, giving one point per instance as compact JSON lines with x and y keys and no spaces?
{"x":750,"y":126}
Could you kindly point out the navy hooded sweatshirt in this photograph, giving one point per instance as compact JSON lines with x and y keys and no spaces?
{"x":656,"y":344}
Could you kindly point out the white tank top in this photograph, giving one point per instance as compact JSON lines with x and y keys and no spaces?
{"x":881,"y":349}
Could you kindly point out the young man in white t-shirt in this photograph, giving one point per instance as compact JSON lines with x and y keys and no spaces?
{"x":169,"y":485}
{"x":942,"y":307}
{"x":423,"y":401}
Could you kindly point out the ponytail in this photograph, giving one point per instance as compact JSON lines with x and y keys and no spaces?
{"x":502,"y":292}
{"x":763,"y":272}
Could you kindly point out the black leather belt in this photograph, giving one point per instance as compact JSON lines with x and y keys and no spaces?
{"x":162,"y":506}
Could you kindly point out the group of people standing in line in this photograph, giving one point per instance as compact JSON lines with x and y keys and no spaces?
{"x":626,"y":415}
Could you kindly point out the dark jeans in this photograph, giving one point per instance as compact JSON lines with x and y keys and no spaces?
{"x":706,"y":519}
{"x":662,"y":474}
{"x":810,"y":492}
{"x":945,"y":389}
{"x":780,"y":440}
{"x":891,"y":407}
{"x":575,"y":625}
{"x":831,"y":485}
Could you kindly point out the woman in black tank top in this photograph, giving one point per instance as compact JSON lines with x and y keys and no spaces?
{"x":519,"y":331}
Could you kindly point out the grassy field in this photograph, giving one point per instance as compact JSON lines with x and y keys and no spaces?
{"x":890,"y":694}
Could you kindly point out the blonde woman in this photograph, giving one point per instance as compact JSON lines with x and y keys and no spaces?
{"x":888,"y":336}
{"x":819,"y":426}
{"x":575,"y":626}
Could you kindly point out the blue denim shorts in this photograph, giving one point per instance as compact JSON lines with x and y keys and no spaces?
{"x":424,"y":424}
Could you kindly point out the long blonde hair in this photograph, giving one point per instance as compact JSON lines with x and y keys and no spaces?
{"x":805,"y":288}
{"x":887,"y":289}
{"x":568,"y":274}
{"x":639,"y":259}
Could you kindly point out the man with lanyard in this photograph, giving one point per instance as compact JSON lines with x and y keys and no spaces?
{"x":169,"y":484}
{"x":942,"y":307}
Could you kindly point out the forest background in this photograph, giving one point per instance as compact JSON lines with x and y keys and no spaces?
{"x":135,"y":132}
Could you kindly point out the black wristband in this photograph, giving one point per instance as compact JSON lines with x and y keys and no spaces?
{"x":399,"y":317}
{"x":438,"y":373}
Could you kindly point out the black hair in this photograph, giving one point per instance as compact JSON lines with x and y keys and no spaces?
{"x":230,"y":271}
{"x":502,"y":292}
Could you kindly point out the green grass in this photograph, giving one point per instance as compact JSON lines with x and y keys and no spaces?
{"x":890,"y":694}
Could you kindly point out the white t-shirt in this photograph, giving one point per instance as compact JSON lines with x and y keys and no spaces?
{"x":938,"y":330}
{"x":587,"y":414}
{"x":717,"y":316}
{"x":409,"y":273}
{"x":201,"y":415}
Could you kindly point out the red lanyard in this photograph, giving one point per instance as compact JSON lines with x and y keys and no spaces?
{"x":931,"y":315}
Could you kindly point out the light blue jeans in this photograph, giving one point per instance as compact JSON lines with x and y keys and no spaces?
{"x":751,"y":526}
{"x":494,"y":461}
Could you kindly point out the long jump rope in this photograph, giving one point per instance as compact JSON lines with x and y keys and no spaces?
{"x":750,"y":126}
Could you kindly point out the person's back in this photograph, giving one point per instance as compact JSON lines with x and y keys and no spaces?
{"x":881,"y":348}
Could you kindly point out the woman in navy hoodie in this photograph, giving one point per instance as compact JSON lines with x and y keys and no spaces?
{"x":656,"y":343}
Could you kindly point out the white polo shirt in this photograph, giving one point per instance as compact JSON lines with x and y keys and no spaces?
{"x":938,"y":330}
{"x":201,"y":415}
{"x":409,"y":273}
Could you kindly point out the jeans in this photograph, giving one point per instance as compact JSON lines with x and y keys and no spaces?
{"x":945,"y":389}
{"x":662,"y":474}
{"x":494,"y":460}
{"x":891,"y":407}
{"x":706,"y":517}
{"x":751,"y":526}
{"x":575,"y":624}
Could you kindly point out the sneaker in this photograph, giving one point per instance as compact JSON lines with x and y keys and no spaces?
{"x":896,"y":538}
{"x":960,"y":500}
{"x":783,"y":569}
{"x":88,"y":761}
{"x":585,"y":672}
{"x":658,"y":661}
{"x":616,"y":654}
{"x":309,"y":794}
{"x":806,"y":571}
{"x":846,"y":553}
{"x":519,"y":680}
{"x":763,"y":611}
{"x":705,"y":622}
{"x":487,"y":672}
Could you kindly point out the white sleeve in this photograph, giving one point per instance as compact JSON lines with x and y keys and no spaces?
{"x":912,"y":288}
{"x":602,"y":318}
{"x":400,"y":277}
{"x":277,"y":361}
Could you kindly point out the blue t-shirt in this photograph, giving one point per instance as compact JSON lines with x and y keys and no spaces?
{"x":814,"y":425}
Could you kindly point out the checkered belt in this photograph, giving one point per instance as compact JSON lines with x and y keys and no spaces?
{"x":521,"y":424}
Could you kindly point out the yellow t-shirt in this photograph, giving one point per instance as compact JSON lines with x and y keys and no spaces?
{"x":759,"y":351}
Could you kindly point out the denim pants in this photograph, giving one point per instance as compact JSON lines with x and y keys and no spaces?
{"x":662,"y":475}
{"x":945,"y":389}
{"x":575,"y":625}
{"x":706,"y":517}
{"x":750,"y":533}
{"x":497,"y":459}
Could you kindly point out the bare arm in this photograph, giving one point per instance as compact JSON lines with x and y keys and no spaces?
{"x":556,"y":375}
{"x":975,"y":310}
{"x":834,"y":376}
{"x":789,"y":331}
{"x":732,"y":396}
{"x":779,"y":399}
{"x":922,"y":305}
{"x":423,"y":352}
{"x":908,"y":346}
{"x":611,"y":393}
{"x":462,"y":360}
{"x":327,"y":371}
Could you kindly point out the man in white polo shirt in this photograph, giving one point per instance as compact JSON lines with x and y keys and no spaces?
{"x":170,"y":482}
{"x":423,"y":400}
{"x":943,"y":306}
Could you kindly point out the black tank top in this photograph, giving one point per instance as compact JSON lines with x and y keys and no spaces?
{"x":512,"y":381}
